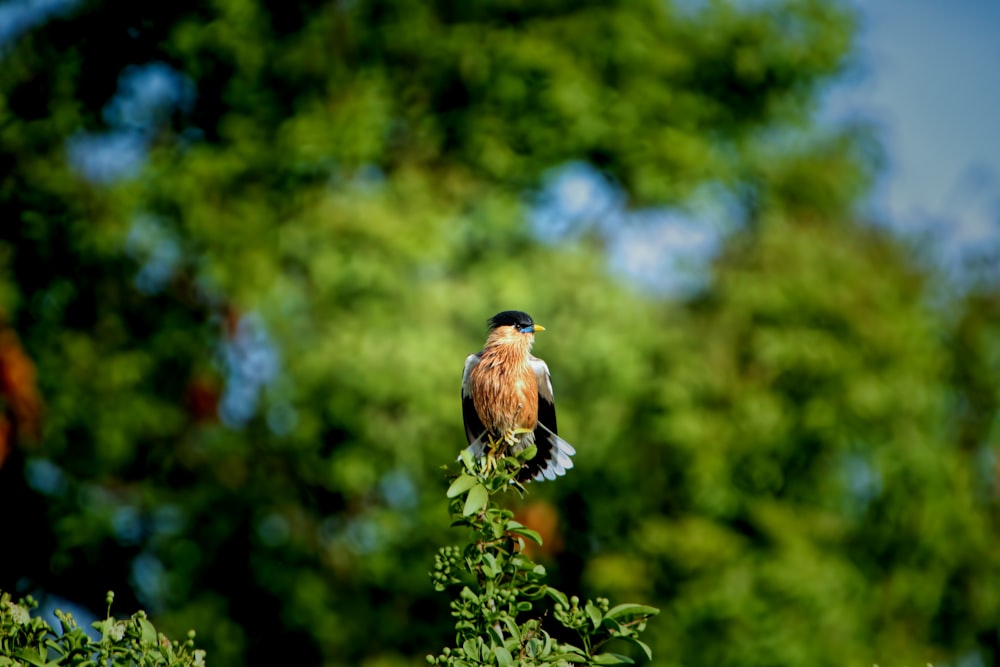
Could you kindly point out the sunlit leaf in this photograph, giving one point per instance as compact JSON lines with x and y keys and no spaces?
{"x":626,"y":610}
{"x":612,"y":659}
{"x":461,"y":484}
{"x":476,"y":499}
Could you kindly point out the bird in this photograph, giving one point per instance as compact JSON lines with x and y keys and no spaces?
{"x":507,"y":402}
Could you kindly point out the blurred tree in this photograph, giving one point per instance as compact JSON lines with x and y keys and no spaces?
{"x":807,"y":504}
{"x":246,"y":245}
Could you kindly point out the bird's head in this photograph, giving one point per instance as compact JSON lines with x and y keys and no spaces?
{"x":514,"y":321}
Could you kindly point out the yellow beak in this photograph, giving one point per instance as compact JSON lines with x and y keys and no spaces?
{"x":539,"y":327}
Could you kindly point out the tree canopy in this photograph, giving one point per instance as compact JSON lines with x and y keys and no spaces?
{"x":247,"y":244}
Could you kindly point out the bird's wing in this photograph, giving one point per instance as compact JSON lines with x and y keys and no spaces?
{"x":546,"y":402}
{"x":553,"y":457}
{"x":473,"y":425}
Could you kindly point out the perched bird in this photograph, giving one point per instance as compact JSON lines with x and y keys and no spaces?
{"x":507,"y":400}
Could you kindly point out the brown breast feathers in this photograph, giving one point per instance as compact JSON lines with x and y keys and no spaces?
{"x":504,"y":389}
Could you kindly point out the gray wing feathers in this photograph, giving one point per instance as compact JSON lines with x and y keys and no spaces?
{"x":474,"y":428}
{"x":557,"y":460}
{"x":553,"y":452}
{"x":470,"y":362}
{"x":542,"y":375}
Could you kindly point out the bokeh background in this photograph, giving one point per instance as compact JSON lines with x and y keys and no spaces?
{"x":246,"y":245}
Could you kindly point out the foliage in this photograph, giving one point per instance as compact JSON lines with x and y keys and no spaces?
{"x":505,"y":584}
{"x":230,"y":348}
{"x":806,"y":482}
{"x":30,"y":640}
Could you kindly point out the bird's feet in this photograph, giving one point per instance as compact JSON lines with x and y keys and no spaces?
{"x":513,"y":436}
{"x":490,"y":460}
{"x":497,"y":447}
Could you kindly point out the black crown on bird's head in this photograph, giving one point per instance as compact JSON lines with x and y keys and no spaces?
{"x":512,"y":318}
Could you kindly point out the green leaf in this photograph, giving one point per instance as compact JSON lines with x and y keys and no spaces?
{"x":148,"y":631}
{"x":30,"y":656}
{"x":627,"y":609}
{"x":642,"y":645}
{"x":461,"y":484}
{"x":512,"y":628}
{"x":537,"y":647}
{"x":495,"y":639}
{"x":547,"y":646}
{"x":594,"y":613}
{"x":478,"y":496}
{"x":105,"y":627}
{"x":533,"y":591}
{"x":527,"y":532}
{"x":489,"y":565}
{"x":612,"y":659}
{"x":558,"y":596}
{"x":468,"y":460}
{"x":504,"y":658}
{"x":612,"y":625}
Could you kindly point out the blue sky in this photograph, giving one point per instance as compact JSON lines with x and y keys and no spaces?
{"x":928,"y":73}
{"x":931,"y":78}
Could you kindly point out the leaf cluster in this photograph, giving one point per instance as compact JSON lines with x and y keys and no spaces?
{"x":133,"y":642}
{"x":497,"y":586}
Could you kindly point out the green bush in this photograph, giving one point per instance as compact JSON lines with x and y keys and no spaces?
{"x":29,"y":640}
{"x":497,"y":586}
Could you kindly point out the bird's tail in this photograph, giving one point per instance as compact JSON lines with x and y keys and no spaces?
{"x":553,"y":457}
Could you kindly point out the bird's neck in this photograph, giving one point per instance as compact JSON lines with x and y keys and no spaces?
{"x":508,"y":348}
